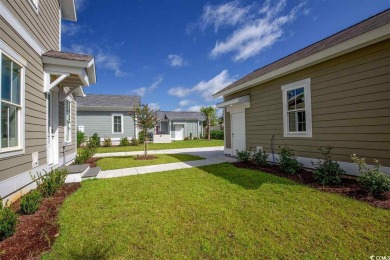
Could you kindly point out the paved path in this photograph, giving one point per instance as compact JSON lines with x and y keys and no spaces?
{"x":212,"y":155}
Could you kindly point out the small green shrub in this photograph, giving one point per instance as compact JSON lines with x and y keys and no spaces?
{"x":133,"y":142}
{"x":260,"y":159}
{"x":30,"y":202}
{"x":216,"y":134}
{"x":94,"y":140}
{"x":195,"y":138}
{"x":124,"y":142}
{"x":49,"y":183}
{"x":327,"y":171}
{"x":85,"y":153}
{"x":287,"y":161}
{"x":372,"y":180}
{"x":243,"y":156}
{"x":81,"y":138}
{"x":8,"y":220}
{"x":141,"y":137}
{"x":190,"y":136}
{"x":107,"y":142}
{"x":187,"y":138}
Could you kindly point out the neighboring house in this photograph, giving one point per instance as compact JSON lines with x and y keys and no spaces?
{"x":180,"y":124}
{"x":108,"y":116}
{"x":335,"y":92}
{"x":38,"y":89}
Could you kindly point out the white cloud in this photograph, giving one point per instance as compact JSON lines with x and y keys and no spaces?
{"x":185,"y":102}
{"x":154,"y":106}
{"x":145,"y":90}
{"x":252,"y":37}
{"x":70,"y":29}
{"x":81,"y":5}
{"x":205,"y":88}
{"x":194,"y":108}
{"x":176,"y":61}
{"x":224,"y":14}
{"x":104,"y":59}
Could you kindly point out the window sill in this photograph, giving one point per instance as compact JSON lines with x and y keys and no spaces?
{"x":10,"y":153}
{"x":67,"y":144}
{"x":298,"y":135}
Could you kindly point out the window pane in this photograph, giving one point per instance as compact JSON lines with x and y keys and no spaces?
{"x":292,"y":122}
{"x":291,"y":99}
{"x":13,"y":127}
{"x":300,"y":98}
{"x":301,"y":121}
{"x":4,"y":126}
{"x":6,"y":78}
{"x":15,"y":84}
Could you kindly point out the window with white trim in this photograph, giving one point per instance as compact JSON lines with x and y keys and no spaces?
{"x":297,"y":121}
{"x":11,"y":88}
{"x":68,"y":121}
{"x":117,"y":123}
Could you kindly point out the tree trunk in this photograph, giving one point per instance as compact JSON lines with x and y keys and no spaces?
{"x":145,"y":146}
{"x":208,"y":129}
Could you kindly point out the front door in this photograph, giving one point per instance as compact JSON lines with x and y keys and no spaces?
{"x":52,"y":150}
{"x":238,"y":132}
{"x":179,"y":132}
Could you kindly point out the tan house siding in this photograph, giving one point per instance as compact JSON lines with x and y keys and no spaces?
{"x":228,"y":134}
{"x":350,"y":107}
{"x":42,"y":25}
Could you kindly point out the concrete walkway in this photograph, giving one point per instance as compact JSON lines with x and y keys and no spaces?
{"x":212,"y":155}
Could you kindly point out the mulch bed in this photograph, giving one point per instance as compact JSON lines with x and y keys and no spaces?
{"x":148,"y":157}
{"x":36,"y":233}
{"x":348,"y":187}
{"x":92,"y":161}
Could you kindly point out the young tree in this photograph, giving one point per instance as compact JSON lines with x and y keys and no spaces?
{"x":211,"y":115}
{"x":145,"y":119}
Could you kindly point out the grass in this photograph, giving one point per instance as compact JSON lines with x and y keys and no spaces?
{"x":111,"y":163}
{"x":216,"y":212}
{"x":173,"y":145}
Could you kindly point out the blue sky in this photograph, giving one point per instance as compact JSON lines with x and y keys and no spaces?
{"x":176,"y":54}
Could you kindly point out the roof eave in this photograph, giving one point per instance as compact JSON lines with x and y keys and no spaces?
{"x":358,"y":42}
{"x":68,"y":10}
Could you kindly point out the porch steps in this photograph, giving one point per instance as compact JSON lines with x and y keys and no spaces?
{"x":77,"y":173}
{"x":92,"y":173}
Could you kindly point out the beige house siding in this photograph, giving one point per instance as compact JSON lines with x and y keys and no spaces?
{"x":228,"y":133}
{"x":350,"y":107}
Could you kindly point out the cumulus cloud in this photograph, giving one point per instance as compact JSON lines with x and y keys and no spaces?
{"x":204,"y":88}
{"x":194,"y":108}
{"x":70,"y":29}
{"x":176,"y":60}
{"x":104,"y":59}
{"x":154,"y":106}
{"x":253,"y":37}
{"x":185,"y":102}
{"x":81,"y":5}
{"x":146,"y":90}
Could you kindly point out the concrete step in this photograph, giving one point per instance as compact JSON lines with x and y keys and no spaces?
{"x":91,"y":173}
{"x":76,"y":172}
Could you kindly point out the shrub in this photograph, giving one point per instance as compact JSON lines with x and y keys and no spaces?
{"x":260,"y":158}
{"x":124,"y":142}
{"x":190,"y":136}
{"x":8,"y":220}
{"x":133,"y":142}
{"x":216,"y":134}
{"x":49,"y":183}
{"x":30,"y":202}
{"x":107,"y":142}
{"x":141,"y":137}
{"x":287,"y":161}
{"x":195,"y":138}
{"x":81,"y":138}
{"x":187,"y":138}
{"x":327,"y":171}
{"x":372,"y":180}
{"x":84,"y":154}
{"x":243,"y":156}
{"x":94,"y":140}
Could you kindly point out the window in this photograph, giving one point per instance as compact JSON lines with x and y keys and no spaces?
{"x":297,"y":109}
{"x":11,"y":103}
{"x":68,"y":122}
{"x":117,"y":123}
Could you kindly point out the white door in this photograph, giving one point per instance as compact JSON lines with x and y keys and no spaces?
{"x":52,"y":149}
{"x":179,"y":132}
{"x":238,"y":132}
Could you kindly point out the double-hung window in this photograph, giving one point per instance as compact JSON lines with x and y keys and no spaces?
{"x":11,"y":103}
{"x":117,"y":123}
{"x":68,"y":122}
{"x":297,"y":120}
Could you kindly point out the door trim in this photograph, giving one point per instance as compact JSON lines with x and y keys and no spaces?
{"x":235,"y":109}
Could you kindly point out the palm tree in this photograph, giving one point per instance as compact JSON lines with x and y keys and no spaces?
{"x":211,"y":114}
{"x":145,"y":118}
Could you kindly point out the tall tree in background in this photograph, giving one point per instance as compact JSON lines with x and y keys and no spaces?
{"x":211,"y":116}
{"x":146,"y":119}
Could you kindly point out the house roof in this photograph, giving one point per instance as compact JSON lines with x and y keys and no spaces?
{"x":365,"y":26}
{"x":179,"y":115}
{"x":68,"y":10}
{"x":110,"y":102}
{"x":68,"y":56}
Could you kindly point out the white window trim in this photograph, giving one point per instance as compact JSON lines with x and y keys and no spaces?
{"x":112,"y":122}
{"x":68,"y":99}
{"x":35,"y":5}
{"x":307,"y":90}
{"x":15,"y":57}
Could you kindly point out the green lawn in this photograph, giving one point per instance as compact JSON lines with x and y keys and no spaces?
{"x":216,"y":212}
{"x":111,"y":163}
{"x":173,"y":145}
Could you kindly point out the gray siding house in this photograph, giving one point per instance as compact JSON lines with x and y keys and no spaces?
{"x":108,"y":116}
{"x":180,"y":124}
{"x":38,"y":87}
